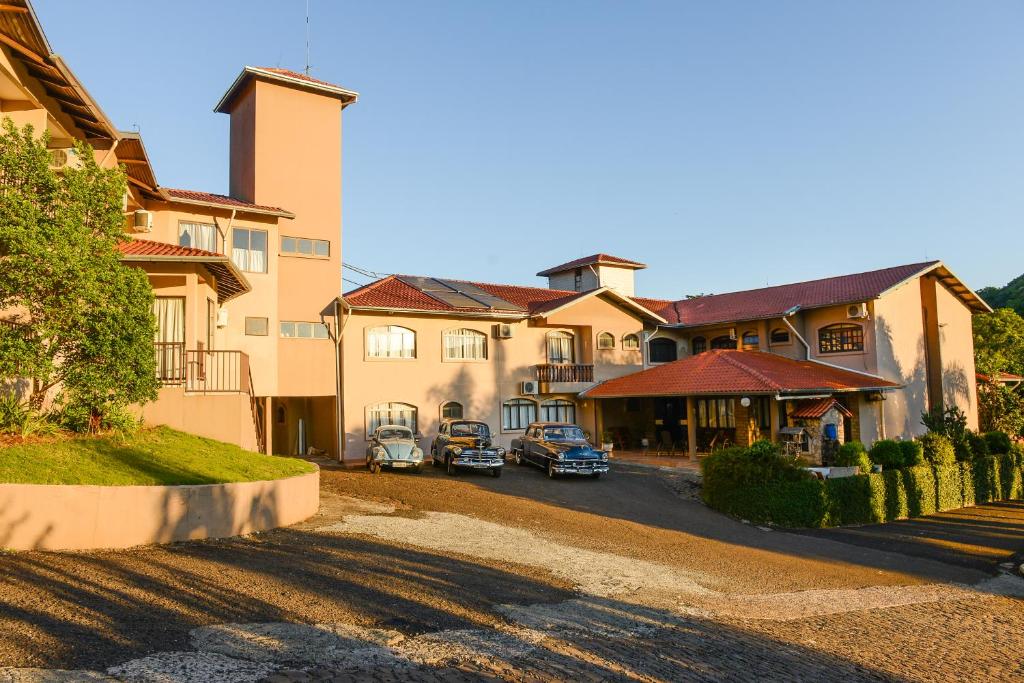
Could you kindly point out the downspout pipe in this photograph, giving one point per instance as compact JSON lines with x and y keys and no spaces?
{"x":807,"y":347}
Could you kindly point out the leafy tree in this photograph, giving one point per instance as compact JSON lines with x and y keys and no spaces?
{"x":1000,"y":409}
{"x":1010,"y":296}
{"x":999,"y":342}
{"x":85,"y":319}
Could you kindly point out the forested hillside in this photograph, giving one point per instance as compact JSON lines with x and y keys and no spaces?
{"x":1010,"y":296}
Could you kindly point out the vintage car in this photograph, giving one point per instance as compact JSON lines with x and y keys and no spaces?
{"x":393,"y":446}
{"x":559,"y":448}
{"x":466,"y":444}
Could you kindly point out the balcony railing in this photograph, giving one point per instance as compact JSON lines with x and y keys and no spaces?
{"x":565,"y":373}
{"x":202,"y":371}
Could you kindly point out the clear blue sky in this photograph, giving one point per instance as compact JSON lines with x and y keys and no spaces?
{"x":725,"y":144}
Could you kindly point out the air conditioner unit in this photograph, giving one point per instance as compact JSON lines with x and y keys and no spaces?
{"x":64,"y":158}
{"x":503,"y":331}
{"x":857,"y":311}
{"x":530,"y":389}
{"x":732,"y":333}
{"x":143,"y":221}
{"x":222,"y":317}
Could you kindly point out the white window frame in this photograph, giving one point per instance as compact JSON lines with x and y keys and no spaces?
{"x":297,"y":243}
{"x":456,"y":342}
{"x":628,"y":347}
{"x":462,"y":410}
{"x":390,"y":350}
{"x":517,"y":414}
{"x":299,"y":329}
{"x":565,"y":339}
{"x":191,"y":228}
{"x":608,"y":337}
{"x":393,"y":413}
{"x":558,"y":410}
{"x":242,"y":256}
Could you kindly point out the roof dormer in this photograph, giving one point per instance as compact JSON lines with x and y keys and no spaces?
{"x":593,"y":272}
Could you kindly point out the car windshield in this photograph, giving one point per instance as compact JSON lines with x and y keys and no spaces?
{"x":563,"y":434}
{"x":393,"y":433}
{"x":470,"y":429}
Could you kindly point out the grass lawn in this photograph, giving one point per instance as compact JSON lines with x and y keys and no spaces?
{"x":150,"y":457}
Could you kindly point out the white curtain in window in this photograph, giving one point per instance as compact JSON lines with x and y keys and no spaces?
{"x":390,"y":414}
{"x":465,"y":344}
{"x":198,"y":236}
{"x":169,"y":337}
{"x":518,"y":414}
{"x":558,"y":411}
{"x":560,"y":348}
{"x":257,"y":251}
{"x":391,"y":342}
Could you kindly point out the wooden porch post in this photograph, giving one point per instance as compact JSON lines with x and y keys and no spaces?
{"x":691,"y":427}
{"x":773,"y":412}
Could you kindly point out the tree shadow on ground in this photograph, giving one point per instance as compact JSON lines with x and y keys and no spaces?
{"x":95,"y":610}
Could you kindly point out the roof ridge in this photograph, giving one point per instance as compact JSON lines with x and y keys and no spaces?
{"x":729,"y":358}
{"x":921,"y":265}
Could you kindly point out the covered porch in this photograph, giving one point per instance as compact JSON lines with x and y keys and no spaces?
{"x":721,"y":398}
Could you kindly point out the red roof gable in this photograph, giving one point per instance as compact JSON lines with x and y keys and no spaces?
{"x":229,"y":280}
{"x":812,"y":409}
{"x":592,"y":260}
{"x":222,"y":200}
{"x":297,"y":75}
{"x":772,"y":302}
{"x":736,"y":372}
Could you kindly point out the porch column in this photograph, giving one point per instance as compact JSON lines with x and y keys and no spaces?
{"x":773,"y":412}
{"x":691,"y":427}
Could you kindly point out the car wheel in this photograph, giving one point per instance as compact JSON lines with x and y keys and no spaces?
{"x":418,"y":469}
{"x":452,"y":469}
{"x":369,"y":463}
{"x":375,"y":468}
{"x":519,"y":457}
{"x":551,"y":470}
{"x":433,"y":458}
{"x":496,"y":472}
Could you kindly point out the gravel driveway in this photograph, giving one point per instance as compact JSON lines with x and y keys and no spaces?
{"x":406,"y":577}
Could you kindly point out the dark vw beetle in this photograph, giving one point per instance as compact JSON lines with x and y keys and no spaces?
{"x":466,"y":443}
{"x":559,"y":448}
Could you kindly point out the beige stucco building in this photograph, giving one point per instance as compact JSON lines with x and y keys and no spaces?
{"x":257,"y":346}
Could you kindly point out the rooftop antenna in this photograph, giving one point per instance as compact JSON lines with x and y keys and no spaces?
{"x":306,"y":71}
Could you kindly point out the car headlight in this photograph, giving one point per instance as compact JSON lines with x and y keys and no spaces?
{"x":456,"y":450}
{"x":417,"y":453}
{"x":604,"y":457}
{"x":501,"y":452}
{"x":561,"y":455}
{"x":379,"y":451}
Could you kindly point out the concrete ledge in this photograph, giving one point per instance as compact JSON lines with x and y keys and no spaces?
{"x":39,"y":517}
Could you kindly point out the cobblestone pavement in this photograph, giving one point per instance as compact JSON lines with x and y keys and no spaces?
{"x":405,"y":578}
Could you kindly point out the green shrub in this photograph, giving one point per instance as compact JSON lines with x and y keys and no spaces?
{"x":855,"y":500}
{"x":887,"y":453}
{"x":913,"y":453}
{"x":919,"y":483}
{"x":937,"y":450}
{"x":987,"y":480}
{"x":785,"y":503}
{"x":948,"y":487}
{"x":1011,"y":477}
{"x":13,"y":414}
{"x":895,"y":495}
{"x":978,"y":445}
{"x":760,"y":463}
{"x":853,"y":454}
{"x":967,"y":491}
{"x":998,"y":442}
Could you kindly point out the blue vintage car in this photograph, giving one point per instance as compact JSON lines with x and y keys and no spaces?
{"x":559,"y":448}
{"x":393,"y":446}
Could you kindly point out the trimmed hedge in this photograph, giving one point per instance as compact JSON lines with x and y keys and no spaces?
{"x":869,"y":498}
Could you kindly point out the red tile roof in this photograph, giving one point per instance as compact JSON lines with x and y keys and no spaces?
{"x":149,"y":248}
{"x":592,"y":260}
{"x":772,"y":302}
{"x":391,"y":292}
{"x":812,"y":409}
{"x":1000,"y":377}
{"x":736,"y":372}
{"x":223,"y":200}
{"x":298,"y":75}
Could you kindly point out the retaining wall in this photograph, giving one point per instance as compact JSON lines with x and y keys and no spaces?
{"x":39,"y":517}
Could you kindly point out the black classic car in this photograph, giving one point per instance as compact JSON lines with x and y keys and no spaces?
{"x":559,"y":448}
{"x":466,"y":444}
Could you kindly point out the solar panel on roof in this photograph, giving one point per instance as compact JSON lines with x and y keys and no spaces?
{"x":459,"y":294}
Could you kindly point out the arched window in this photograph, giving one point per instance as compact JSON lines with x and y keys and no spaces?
{"x":751,"y":340}
{"x":779,"y":336}
{"x":723,"y":342}
{"x":662,"y":350}
{"x":465,"y":344}
{"x":390,"y":341}
{"x":452,"y":410}
{"x":561,"y":349}
{"x":631,"y":342}
{"x":606,"y":340}
{"x":698,"y":345}
{"x":402,"y":414}
{"x":840,"y":338}
{"x":518,"y":413}
{"x":558,"y":410}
